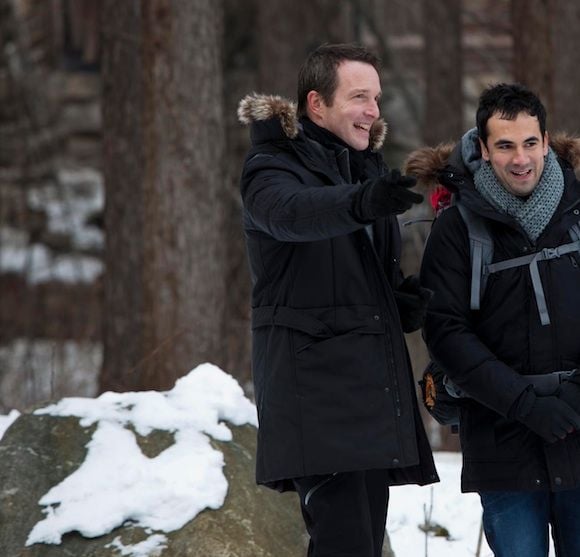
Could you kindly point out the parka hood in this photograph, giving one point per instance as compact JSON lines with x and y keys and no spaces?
{"x":427,"y":163}
{"x":255,"y":108}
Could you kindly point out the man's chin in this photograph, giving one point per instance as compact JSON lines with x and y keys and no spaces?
{"x":359,"y":145}
{"x":521,"y":190}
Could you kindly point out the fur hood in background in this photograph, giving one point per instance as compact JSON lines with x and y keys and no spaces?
{"x":426,"y":163}
{"x":259,"y":108}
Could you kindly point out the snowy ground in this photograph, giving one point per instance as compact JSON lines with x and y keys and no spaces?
{"x":458,"y":513}
{"x":117,"y":483}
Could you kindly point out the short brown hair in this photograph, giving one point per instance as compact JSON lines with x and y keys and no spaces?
{"x":319,"y":71}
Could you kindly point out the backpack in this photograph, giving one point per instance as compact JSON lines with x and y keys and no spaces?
{"x":440,"y":396}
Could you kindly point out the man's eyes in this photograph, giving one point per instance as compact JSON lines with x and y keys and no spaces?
{"x":529,"y":145}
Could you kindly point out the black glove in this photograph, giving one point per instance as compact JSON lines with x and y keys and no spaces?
{"x":569,"y":391}
{"x":547,"y":416}
{"x":412,"y":300}
{"x":388,"y":195}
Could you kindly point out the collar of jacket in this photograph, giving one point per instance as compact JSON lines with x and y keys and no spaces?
{"x":274,"y":118}
{"x":443,"y":165}
{"x":429,"y":164}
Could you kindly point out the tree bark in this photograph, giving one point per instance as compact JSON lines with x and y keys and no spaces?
{"x":443,"y":120}
{"x":163,"y":156}
{"x":289,"y":31}
{"x":533,"y":46}
{"x":547,"y":57}
{"x":565,"y":64}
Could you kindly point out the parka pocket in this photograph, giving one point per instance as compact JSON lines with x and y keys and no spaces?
{"x":351,"y":359}
{"x":343,"y":345}
{"x":338,"y":322}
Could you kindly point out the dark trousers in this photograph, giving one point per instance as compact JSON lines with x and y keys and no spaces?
{"x":516,"y":523}
{"x":345,"y":513}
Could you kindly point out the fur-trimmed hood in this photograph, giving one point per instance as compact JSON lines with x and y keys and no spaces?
{"x":259,"y":108}
{"x":426,"y":163}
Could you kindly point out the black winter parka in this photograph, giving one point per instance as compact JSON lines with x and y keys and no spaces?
{"x":333,"y":384}
{"x":489,"y":353}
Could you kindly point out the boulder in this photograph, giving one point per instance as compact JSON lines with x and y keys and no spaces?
{"x":39,"y":451}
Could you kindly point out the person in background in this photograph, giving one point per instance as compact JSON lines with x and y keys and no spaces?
{"x":337,"y":409}
{"x":516,"y":357}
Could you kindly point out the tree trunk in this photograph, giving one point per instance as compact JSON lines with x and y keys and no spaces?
{"x":288,"y":31}
{"x":565,"y":64}
{"x":163,"y":157}
{"x":533,"y":46}
{"x":443,"y":119}
{"x":547,"y":56}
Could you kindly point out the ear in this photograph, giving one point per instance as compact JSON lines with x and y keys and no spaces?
{"x":484,"y":151}
{"x":315,"y":105}
{"x":546,"y":143}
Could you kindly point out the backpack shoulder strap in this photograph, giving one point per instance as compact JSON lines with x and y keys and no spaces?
{"x":575,"y":232}
{"x":481,"y":252}
{"x":532,"y":260}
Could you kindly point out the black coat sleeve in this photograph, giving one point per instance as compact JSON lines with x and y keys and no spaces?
{"x":278,"y":201}
{"x":450,"y":329}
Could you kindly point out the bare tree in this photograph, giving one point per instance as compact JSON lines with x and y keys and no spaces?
{"x":533,"y":46}
{"x":163,"y":158}
{"x":443,"y":71}
{"x":547,"y":56}
{"x":288,"y":31}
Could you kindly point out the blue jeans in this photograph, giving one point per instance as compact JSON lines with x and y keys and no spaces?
{"x":516,"y":522}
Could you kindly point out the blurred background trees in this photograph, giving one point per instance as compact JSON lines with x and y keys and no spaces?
{"x":163,"y":161}
{"x":122,"y":262}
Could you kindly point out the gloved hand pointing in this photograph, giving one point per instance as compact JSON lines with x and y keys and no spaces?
{"x":388,"y":195}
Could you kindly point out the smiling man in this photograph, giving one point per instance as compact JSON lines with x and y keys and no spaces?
{"x":516,"y":152}
{"x":516,"y":354}
{"x":338,"y":417}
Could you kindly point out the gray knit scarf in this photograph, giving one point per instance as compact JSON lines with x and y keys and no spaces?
{"x":532,"y":213}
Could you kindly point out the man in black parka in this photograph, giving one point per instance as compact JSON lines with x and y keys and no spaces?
{"x":521,"y":447}
{"x":338,"y":417}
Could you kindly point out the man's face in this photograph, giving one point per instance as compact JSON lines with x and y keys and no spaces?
{"x":354,"y":107}
{"x":516,"y":150}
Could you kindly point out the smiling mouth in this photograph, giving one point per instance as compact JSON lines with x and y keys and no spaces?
{"x":363,"y":127}
{"x":521,"y":173}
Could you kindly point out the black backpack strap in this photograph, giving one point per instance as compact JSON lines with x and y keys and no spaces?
{"x":575,"y":232}
{"x":532,"y":261}
{"x":481,"y":252}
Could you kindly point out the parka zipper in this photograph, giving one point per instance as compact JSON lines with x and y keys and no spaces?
{"x":379,"y":285}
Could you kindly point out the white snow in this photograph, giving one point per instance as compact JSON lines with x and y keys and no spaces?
{"x":118,"y":483}
{"x":152,"y":547}
{"x":75,"y":196}
{"x":69,"y":203}
{"x":39,"y":265}
{"x":6,"y":421}
{"x":459,"y":513}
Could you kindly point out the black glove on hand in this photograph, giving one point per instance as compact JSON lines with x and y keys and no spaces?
{"x":547,"y":416}
{"x":412,"y":300}
{"x":388,"y":195}
{"x":569,"y":391}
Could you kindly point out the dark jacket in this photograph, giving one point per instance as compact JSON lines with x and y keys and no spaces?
{"x":489,"y":352}
{"x":333,"y":385}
